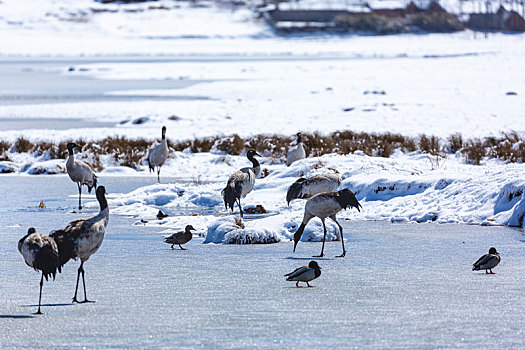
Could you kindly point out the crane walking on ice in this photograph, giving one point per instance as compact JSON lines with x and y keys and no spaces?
{"x":488,"y":261}
{"x":41,"y":253}
{"x":296,"y":153}
{"x":306,"y":188}
{"x":241,"y":183}
{"x":81,"y":238}
{"x":305,"y":274}
{"x":326,"y":205}
{"x":80,"y":172}
{"x":158,"y":154}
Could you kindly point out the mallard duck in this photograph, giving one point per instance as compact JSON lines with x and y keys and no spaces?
{"x":181,"y":237}
{"x":488,"y":261}
{"x":305,"y":273}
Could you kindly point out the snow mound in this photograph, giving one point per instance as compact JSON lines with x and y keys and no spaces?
{"x":7,"y":167}
{"x":49,"y":167}
{"x":270,"y":229}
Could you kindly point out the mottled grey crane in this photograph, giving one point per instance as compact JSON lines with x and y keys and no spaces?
{"x":80,"y":173}
{"x":158,"y":154}
{"x":488,"y":261}
{"x":326,"y":205}
{"x":81,"y":238}
{"x":241,"y":183}
{"x":306,"y":188}
{"x":296,"y":153}
{"x":41,"y":253}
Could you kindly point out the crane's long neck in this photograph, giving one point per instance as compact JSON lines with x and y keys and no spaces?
{"x":299,"y":139}
{"x":70,"y":160}
{"x":104,"y":210}
{"x":255,"y":165}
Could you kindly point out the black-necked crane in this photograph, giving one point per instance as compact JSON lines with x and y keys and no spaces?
{"x":306,"y":188}
{"x":81,"y":238}
{"x":305,"y":274}
{"x":296,"y":153}
{"x":158,"y":154}
{"x":181,"y":237}
{"x":326,"y":205}
{"x":41,"y":253}
{"x":488,"y":261}
{"x":80,"y":173}
{"x":241,"y":182}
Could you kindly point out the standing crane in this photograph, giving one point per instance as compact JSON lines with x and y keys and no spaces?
{"x":41,"y":253}
{"x":158,"y":154}
{"x":241,"y":182}
{"x":326,"y":205}
{"x":81,"y":238}
{"x":80,"y":172}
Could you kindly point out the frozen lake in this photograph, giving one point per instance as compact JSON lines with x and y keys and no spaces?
{"x":400,"y":286}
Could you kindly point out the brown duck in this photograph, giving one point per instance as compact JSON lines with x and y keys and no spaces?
{"x":181,"y":237}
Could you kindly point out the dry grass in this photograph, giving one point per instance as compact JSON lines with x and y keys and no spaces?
{"x":509,"y":147}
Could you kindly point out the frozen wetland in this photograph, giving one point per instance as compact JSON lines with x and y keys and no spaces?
{"x":400,"y":286}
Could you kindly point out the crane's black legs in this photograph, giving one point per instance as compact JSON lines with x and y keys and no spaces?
{"x":84,"y":283}
{"x":324,"y":238}
{"x":40,"y":297}
{"x":342,"y":238}
{"x":81,"y":271}
{"x":240,"y":208}
{"x":79,"y":196}
{"x":158,"y":174}
{"x":78,"y":278}
{"x":181,"y":247}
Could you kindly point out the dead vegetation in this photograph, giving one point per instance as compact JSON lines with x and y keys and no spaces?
{"x":509,"y":147}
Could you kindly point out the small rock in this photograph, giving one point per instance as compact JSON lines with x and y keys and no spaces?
{"x":511,"y":93}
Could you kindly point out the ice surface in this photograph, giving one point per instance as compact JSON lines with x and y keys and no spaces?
{"x":400,"y":286}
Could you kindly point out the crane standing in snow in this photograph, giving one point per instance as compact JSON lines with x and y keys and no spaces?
{"x":81,"y":238}
{"x":80,"y":172}
{"x":41,"y":253}
{"x":296,"y":153}
{"x":241,"y":182}
{"x":326,"y":205}
{"x":306,"y":188}
{"x":158,"y":154}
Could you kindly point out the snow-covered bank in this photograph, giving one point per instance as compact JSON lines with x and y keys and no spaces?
{"x":404,"y":188}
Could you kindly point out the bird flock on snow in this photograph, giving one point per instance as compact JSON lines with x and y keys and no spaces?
{"x":81,"y":238}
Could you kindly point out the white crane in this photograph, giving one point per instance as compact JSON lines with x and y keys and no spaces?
{"x":158,"y":154}
{"x":41,"y":253}
{"x":296,"y":153}
{"x":80,"y":172}
{"x":326,"y":205}
{"x":81,"y":238}
{"x":241,"y":182}
{"x":306,"y":188}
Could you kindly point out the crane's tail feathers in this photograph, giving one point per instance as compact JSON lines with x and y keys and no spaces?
{"x":66,"y":247}
{"x":230,"y":194}
{"x":297,"y":235}
{"x":93,"y":184}
{"x":47,"y":260}
{"x":346,"y":198}
{"x":295,"y":190}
